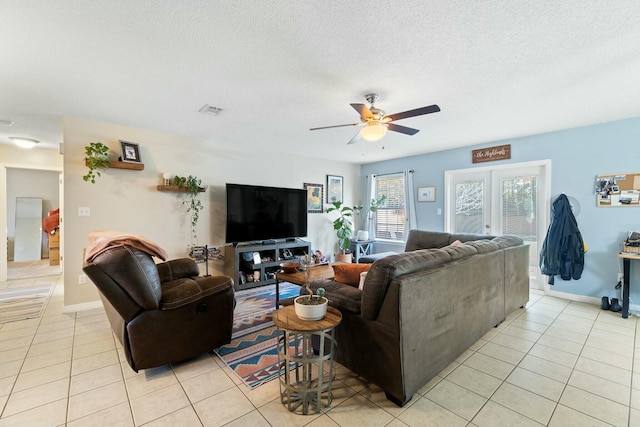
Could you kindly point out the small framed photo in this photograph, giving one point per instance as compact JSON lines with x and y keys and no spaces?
{"x":130,"y":152}
{"x":427,"y":194}
{"x":314,"y":197}
{"x":334,"y":188}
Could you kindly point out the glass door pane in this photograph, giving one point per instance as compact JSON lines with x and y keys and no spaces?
{"x":469,"y":212}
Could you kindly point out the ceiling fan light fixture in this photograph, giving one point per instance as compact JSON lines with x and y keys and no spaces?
{"x":24,"y":142}
{"x":373,"y":131}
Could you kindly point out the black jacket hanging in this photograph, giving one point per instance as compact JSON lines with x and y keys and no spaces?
{"x":563,"y":249}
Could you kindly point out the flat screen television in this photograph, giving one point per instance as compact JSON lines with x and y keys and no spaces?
{"x":258,"y":213}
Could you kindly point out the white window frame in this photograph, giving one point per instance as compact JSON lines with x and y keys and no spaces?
{"x":399,"y":235}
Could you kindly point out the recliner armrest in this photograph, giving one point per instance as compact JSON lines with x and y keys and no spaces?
{"x":181,"y":292}
{"x":177,"y":269}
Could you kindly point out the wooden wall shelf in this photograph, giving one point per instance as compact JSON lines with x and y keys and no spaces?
{"x":126,"y":165}
{"x":176,"y":189}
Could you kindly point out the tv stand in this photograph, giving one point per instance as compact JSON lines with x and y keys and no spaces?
{"x":243,"y":262}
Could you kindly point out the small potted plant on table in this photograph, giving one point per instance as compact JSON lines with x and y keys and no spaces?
{"x":310,"y":307}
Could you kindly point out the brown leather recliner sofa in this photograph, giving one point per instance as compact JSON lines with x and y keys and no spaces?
{"x":161,"y":313}
{"x":421,"y":309}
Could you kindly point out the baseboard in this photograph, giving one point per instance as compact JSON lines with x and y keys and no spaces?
{"x":82,"y":306}
{"x":633,"y":308}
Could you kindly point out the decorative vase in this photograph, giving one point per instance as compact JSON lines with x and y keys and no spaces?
{"x":363,"y":235}
{"x":310,"y":311}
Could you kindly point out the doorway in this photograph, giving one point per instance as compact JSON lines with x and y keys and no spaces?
{"x":20,"y":182}
{"x":496,"y":200}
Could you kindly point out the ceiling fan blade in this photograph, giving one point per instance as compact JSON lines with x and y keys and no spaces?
{"x":363,"y":110}
{"x":412,"y":113}
{"x":402,"y":129}
{"x":356,"y":138}
{"x":337,"y":126}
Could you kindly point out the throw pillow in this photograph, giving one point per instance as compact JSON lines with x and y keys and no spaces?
{"x":455,"y":243}
{"x":349,"y":274}
{"x":363,"y":276}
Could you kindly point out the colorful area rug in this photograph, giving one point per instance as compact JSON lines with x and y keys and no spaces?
{"x":23,"y":303}
{"x":252,"y":353}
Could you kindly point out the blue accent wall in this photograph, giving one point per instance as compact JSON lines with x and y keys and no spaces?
{"x":577,"y":156}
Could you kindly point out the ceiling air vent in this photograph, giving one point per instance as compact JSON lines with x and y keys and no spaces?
{"x":210,"y":109}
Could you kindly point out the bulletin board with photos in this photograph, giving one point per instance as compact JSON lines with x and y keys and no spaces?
{"x":618,"y":190}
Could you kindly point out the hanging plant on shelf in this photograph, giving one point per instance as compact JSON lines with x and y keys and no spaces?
{"x":97,"y":158}
{"x":193,"y":186}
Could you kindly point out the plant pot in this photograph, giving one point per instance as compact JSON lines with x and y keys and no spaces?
{"x":310,"y":311}
{"x":348,"y":258}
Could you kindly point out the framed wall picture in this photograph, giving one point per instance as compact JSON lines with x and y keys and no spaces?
{"x":334,"y":188}
{"x":130,"y":152}
{"x":314,"y":197}
{"x":427,"y":194}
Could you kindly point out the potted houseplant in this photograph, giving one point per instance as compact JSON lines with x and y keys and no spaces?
{"x":310,"y":307}
{"x":96,"y":158}
{"x":374,"y":205}
{"x":193,"y":186}
{"x":343,"y":227}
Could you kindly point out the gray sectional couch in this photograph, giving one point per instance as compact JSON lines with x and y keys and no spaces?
{"x":421,"y":309}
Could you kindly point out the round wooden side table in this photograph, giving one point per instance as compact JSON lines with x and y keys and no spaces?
{"x":306,"y":375}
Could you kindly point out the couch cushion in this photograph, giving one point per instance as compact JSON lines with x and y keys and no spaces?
{"x":349,"y":274}
{"x":339,"y":295}
{"x":363,"y":275}
{"x":459,"y":251}
{"x":370,"y":259}
{"x":483,"y":246}
{"x":383,"y":271}
{"x":508,"y":241}
{"x":134,"y":271}
{"x":421,"y":239}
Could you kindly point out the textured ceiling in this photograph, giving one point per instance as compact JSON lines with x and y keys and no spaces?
{"x":497,"y":69}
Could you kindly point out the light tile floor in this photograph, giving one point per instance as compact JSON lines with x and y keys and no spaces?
{"x":555,"y":363}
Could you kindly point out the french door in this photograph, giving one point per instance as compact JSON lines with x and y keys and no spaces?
{"x":509,"y":199}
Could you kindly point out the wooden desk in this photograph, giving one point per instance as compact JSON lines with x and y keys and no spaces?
{"x":626,"y":265}
{"x":319,"y":272}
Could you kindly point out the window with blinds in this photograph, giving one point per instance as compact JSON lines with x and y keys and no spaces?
{"x":390,"y":218}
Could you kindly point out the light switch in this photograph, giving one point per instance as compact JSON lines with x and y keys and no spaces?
{"x":84,"y":211}
{"x":439,"y":211}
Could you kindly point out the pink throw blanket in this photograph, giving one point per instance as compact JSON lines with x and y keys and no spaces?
{"x":100,"y":241}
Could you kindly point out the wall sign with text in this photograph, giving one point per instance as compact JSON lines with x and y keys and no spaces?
{"x":491,"y":154}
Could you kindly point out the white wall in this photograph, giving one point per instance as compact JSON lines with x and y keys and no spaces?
{"x":128,"y":201}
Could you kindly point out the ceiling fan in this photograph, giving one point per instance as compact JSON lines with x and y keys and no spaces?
{"x":377,"y":123}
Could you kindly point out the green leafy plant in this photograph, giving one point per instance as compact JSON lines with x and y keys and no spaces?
{"x":374,"y":205}
{"x":343,"y":225}
{"x":97,"y":158}
{"x":310,"y":299}
{"x":193,"y":186}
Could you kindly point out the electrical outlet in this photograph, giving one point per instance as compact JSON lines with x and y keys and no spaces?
{"x":82,"y":279}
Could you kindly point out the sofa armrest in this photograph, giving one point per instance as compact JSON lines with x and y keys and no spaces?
{"x":340,"y":296}
{"x":181,"y":292}
{"x":177,"y":269}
